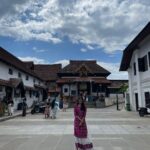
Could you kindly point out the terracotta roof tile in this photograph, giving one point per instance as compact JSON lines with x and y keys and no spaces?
{"x":4,"y":82}
{"x":11,"y":60}
{"x":117,"y":83}
{"x":90,"y":64}
{"x":47,"y":72}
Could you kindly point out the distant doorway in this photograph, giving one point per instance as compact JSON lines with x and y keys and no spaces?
{"x":147,"y":99}
{"x":136,"y":101}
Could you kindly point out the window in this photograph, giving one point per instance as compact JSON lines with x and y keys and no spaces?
{"x":149,"y":57}
{"x":73,"y":92}
{"x":147,"y":98}
{"x":65,"y":90}
{"x":19,"y":74}
{"x":10,"y":71}
{"x":1,"y":88}
{"x":134,"y":66}
{"x":143,"y":64}
{"x":27,"y":77}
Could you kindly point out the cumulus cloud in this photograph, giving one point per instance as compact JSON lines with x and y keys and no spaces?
{"x":83,"y":50}
{"x":107,"y":24}
{"x":34,"y":59}
{"x":11,"y":6}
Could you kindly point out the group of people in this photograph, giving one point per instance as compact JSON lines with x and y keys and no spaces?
{"x":9,"y":103}
{"x":51,"y":109}
{"x":52,"y":106}
{"x":82,"y":140}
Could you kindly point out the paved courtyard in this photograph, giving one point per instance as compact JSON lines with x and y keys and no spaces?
{"x":109,"y":130}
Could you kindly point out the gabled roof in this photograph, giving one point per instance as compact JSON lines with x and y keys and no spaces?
{"x":47,"y":72}
{"x":11,"y":60}
{"x":127,"y":53}
{"x":75,"y":65}
{"x":4,"y":82}
{"x":15,"y":82}
{"x":12,"y":82}
{"x":29,"y":64}
{"x":117,"y":83}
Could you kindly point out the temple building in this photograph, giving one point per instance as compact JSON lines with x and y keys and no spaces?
{"x":83,"y":77}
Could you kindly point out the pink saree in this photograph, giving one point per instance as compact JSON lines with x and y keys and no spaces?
{"x":82,"y":142}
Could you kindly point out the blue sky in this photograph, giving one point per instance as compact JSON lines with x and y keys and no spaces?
{"x":55,"y":31}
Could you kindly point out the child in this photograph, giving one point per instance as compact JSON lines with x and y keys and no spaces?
{"x":46,"y":110}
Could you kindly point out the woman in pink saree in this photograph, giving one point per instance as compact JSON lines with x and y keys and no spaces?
{"x":80,"y":128}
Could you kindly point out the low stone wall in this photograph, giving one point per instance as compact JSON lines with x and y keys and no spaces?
{"x":112,"y":100}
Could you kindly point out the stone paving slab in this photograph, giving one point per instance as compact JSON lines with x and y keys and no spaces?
{"x":16,"y":114}
{"x":108,"y":129}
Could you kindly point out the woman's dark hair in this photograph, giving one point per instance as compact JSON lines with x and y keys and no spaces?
{"x":83,"y":108}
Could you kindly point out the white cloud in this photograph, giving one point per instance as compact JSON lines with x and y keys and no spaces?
{"x":83,"y":50}
{"x":114,"y":69}
{"x":39,"y":50}
{"x":34,"y":59}
{"x":64,"y":62}
{"x":107,"y":24}
{"x":90,"y":47}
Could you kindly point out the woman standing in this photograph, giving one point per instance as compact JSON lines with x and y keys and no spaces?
{"x":80,"y":128}
{"x":53,"y":109}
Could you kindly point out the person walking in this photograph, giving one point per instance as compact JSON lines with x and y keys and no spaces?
{"x":10,"y":107}
{"x":82,"y":141}
{"x":47,"y":110}
{"x":24,"y":107}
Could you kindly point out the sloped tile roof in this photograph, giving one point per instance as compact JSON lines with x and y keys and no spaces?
{"x":90,"y":64}
{"x":47,"y":72}
{"x":4,"y":82}
{"x":117,"y":83}
{"x":128,"y":51}
{"x":12,"y":82}
{"x":11,"y":60}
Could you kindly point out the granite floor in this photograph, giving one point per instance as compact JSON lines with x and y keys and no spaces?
{"x":109,"y":130}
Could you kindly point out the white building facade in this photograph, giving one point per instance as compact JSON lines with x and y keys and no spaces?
{"x":17,"y":82}
{"x":136,"y":60}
